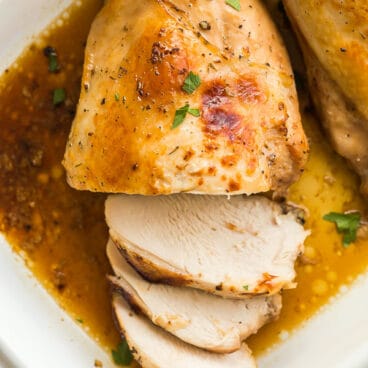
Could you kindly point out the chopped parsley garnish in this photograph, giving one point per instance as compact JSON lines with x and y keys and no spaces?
{"x":122,"y":355}
{"x":59,"y":96}
{"x":194,"y":112}
{"x":191,"y":83}
{"x":53,"y":64}
{"x":117,"y":97}
{"x":181,"y":114}
{"x":50,"y":52}
{"x":246,"y":287}
{"x":80,"y":320}
{"x":234,"y":4}
{"x":346,"y":224}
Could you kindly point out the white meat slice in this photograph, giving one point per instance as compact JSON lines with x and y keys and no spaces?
{"x":230,"y":247}
{"x":152,"y":347}
{"x":206,"y":321}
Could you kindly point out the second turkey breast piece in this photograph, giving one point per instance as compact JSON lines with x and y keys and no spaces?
{"x":238,"y":130}
{"x":206,"y":321}
{"x":334,"y":39}
{"x":230,"y":247}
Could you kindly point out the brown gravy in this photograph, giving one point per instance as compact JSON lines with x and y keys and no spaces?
{"x":60,"y":232}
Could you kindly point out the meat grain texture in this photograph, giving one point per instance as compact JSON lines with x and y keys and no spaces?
{"x":233,"y":247}
{"x":206,"y":321}
{"x":152,"y":347}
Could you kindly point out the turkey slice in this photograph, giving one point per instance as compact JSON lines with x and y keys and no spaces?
{"x":198,"y":318}
{"x":152,"y":347}
{"x":231,"y":247}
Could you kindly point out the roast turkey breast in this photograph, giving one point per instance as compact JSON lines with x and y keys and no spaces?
{"x":333,"y":35}
{"x":206,"y":321}
{"x":231,"y":247}
{"x":152,"y":347}
{"x":185,"y":96}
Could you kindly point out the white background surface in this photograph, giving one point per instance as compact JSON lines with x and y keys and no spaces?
{"x":36,"y":333}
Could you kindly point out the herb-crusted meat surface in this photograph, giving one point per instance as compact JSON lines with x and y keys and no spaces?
{"x":183,"y":96}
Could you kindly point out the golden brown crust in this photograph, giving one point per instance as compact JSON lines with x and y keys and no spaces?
{"x":333,"y":37}
{"x":248,"y":137}
{"x":346,"y":127}
{"x":129,"y":297}
{"x":336,"y":31}
{"x":149,"y":271}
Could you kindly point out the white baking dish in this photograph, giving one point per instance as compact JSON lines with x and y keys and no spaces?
{"x":35,"y":332}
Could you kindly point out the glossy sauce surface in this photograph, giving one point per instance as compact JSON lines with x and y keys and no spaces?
{"x":61,"y":232}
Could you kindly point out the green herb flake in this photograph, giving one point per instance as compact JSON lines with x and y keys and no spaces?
{"x":181,"y":114}
{"x":122,"y":355}
{"x":234,"y":4}
{"x":53,"y":63}
{"x":117,"y":97}
{"x":191,"y":83}
{"x":59,"y":96}
{"x":346,"y":224}
{"x":79,"y":320}
{"x":51,"y":54}
{"x":246,"y":287}
{"x":194,"y":112}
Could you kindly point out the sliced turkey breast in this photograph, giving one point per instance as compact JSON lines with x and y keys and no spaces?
{"x":185,"y":96}
{"x":206,"y":321}
{"x":152,"y":347}
{"x":231,"y":247}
